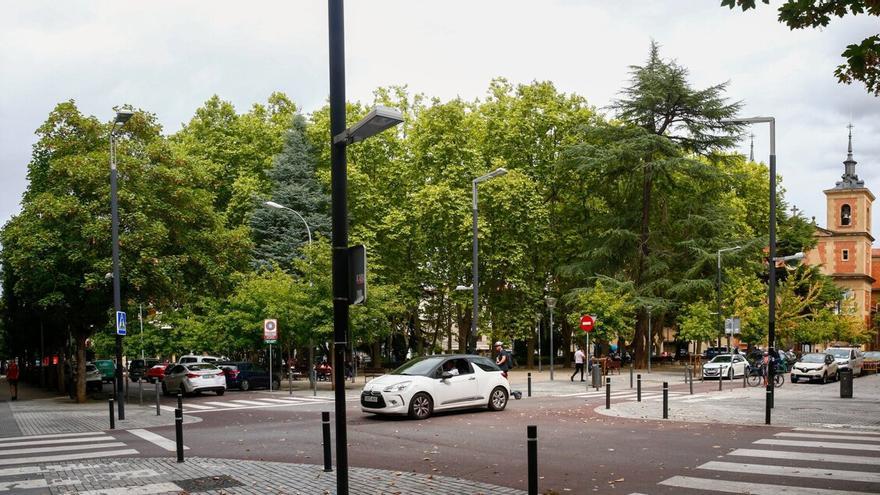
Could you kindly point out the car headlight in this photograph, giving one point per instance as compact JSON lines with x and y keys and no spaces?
{"x":397,"y":387}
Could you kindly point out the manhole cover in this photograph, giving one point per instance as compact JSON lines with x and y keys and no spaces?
{"x":207,"y":483}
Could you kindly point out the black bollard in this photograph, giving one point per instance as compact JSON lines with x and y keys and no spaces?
{"x":532,"y":434}
{"x":325,"y":426}
{"x":639,"y":387}
{"x":607,"y":392}
{"x":180,"y":401}
{"x":178,"y":433}
{"x":767,"y":405}
{"x":630,"y":375}
{"x":529,"y":384}
{"x":158,"y":409}
{"x":746,"y":372}
{"x":691,"y":380}
{"x":665,"y":400}
{"x":720,"y":379}
{"x":112,"y":418}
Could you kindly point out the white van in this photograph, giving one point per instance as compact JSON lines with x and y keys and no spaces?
{"x":191,"y":358}
{"x":847,"y":358}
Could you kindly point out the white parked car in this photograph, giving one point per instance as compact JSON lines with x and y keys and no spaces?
{"x":848,"y":358}
{"x":437,"y":383}
{"x":726,"y":365}
{"x":194,"y":378}
{"x":190,"y":358}
{"x":816,"y":366}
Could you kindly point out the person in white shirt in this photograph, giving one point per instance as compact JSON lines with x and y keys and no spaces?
{"x":579,"y":358}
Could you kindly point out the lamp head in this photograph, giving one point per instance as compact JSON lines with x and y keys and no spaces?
{"x":551,"y":302}
{"x":122,"y":117}
{"x":379,"y":119}
{"x":272,"y":204}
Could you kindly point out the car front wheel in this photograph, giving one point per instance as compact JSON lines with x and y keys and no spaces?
{"x":794,"y":379}
{"x":220,"y":392}
{"x":421,"y":406}
{"x":498,"y":399}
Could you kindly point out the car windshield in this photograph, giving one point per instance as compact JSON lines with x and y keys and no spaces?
{"x":201,"y":367}
{"x":872,"y":355}
{"x":813,"y":358}
{"x":424,"y":366}
{"x":839,"y":353}
{"x":721,"y":359}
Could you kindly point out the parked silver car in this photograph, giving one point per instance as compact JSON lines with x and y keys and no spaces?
{"x":194,"y":378}
{"x":816,"y":366}
{"x":848,"y":358}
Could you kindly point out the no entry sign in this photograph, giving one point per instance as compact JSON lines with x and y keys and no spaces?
{"x":587,"y":323}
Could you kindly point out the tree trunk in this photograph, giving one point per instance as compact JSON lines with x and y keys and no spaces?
{"x":640,"y":337}
{"x":565,"y":329}
{"x":376,"y":354}
{"x":80,"y":368}
{"x":463,"y":317}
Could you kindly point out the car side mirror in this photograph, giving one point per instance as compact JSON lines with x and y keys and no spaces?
{"x":445,"y":375}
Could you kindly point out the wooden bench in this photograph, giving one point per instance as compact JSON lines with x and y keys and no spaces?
{"x":611,"y":366}
{"x":368,"y":373}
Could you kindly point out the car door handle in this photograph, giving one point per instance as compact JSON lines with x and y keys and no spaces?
{"x":472,"y":378}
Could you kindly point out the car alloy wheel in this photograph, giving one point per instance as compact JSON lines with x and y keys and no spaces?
{"x":421,"y":406}
{"x":244,"y":385}
{"x":498,"y":399}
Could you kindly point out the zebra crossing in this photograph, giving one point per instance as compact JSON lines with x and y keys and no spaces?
{"x":230,"y":403}
{"x":649,"y":395}
{"x":809,"y":461}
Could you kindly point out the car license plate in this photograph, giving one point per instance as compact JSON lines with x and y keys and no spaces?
{"x":370,"y":398}
{"x":207,"y":377}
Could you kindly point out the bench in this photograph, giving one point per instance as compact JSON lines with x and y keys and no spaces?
{"x":368,"y":373}
{"x":611,"y":366}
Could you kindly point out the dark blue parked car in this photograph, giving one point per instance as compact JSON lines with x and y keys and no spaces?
{"x":246,"y":376}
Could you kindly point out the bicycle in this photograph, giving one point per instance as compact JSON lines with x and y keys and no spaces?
{"x":756,"y":376}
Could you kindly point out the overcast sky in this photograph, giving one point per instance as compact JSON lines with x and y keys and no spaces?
{"x":168,"y":57}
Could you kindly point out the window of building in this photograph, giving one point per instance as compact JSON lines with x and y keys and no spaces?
{"x":845,"y":215}
{"x":844,"y":255}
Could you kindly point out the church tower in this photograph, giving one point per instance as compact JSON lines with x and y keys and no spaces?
{"x":844,"y":245}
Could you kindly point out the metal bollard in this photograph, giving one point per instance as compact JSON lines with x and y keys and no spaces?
{"x":158,"y":409}
{"x":639,"y":387}
{"x":746,"y":372}
{"x":180,"y":401}
{"x":529,"y":386}
{"x":289,"y":382}
{"x":112,"y":418}
{"x":665,"y":400}
{"x":720,"y":379}
{"x":691,"y":381}
{"x":532,"y":434}
{"x":140,"y":392}
{"x":607,"y":392}
{"x":630,"y":375}
{"x":325,"y":426}
{"x":767,"y":405}
{"x":178,"y":433}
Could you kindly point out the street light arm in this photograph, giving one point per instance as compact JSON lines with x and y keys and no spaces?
{"x":282,"y":207}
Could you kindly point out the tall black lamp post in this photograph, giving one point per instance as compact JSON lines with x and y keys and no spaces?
{"x":379,"y":119}
{"x":121,"y":118}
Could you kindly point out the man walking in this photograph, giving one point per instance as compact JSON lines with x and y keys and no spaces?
{"x":12,"y":378}
{"x":579,"y":358}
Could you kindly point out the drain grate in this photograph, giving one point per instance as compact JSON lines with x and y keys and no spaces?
{"x":196,"y":485}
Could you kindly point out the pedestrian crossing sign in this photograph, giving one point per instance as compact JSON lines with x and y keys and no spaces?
{"x":120,"y":323}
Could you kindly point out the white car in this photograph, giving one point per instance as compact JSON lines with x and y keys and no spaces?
{"x":194,"y":378}
{"x":816,"y":366}
{"x":848,"y":358}
{"x":726,"y":365}
{"x":437,"y":383}
{"x":191,"y":358}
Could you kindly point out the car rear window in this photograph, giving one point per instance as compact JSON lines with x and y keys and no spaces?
{"x":485,"y":364}
{"x":201,"y":367}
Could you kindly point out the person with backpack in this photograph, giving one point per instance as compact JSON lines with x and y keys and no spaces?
{"x":503,"y":359}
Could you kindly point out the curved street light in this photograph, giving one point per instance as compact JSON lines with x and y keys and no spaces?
{"x":282,"y":207}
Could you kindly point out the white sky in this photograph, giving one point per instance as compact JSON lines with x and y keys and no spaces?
{"x":168,"y":57}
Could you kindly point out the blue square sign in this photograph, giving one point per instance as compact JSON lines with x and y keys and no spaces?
{"x":120,"y":323}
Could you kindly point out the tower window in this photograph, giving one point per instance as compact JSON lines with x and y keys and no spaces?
{"x":844,"y":255}
{"x":845,"y":215}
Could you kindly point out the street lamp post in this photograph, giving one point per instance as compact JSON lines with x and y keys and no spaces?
{"x":122,"y":117}
{"x":718,"y":293}
{"x":771,"y":320}
{"x":538,"y":328}
{"x":282,"y":207}
{"x":551,"y":303}
{"x":650,"y":340}
{"x":472,"y":338}
{"x":376,"y":121}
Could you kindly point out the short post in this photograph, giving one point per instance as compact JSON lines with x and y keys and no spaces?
{"x":112,"y":417}
{"x":767,"y":405}
{"x":314,"y":376}
{"x":325,"y":426}
{"x":180,"y":401}
{"x":630,"y":374}
{"x":746,"y":372}
{"x":140,"y":391}
{"x":691,"y":381}
{"x":529,"y":386}
{"x":158,"y":409}
{"x":665,"y":400}
{"x":607,"y":392}
{"x":720,"y":378}
{"x":639,"y":387}
{"x":178,"y":433}
{"x":289,"y":381}
{"x":532,"y":434}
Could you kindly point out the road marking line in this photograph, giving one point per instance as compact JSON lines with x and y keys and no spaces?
{"x":827,"y":437}
{"x":839,"y":430}
{"x":167,"y":408}
{"x":282,"y":401}
{"x":250,"y":403}
{"x":196,"y":406}
{"x":20,"y":470}
{"x":136,"y":490}
{"x":804,"y":456}
{"x":225,"y":405}
{"x":57,"y":435}
{"x":67,"y":457}
{"x":796,"y":472}
{"x":317,"y":399}
{"x":61,"y":448}
{"x":165,"y":443}
{"x":63,"y":440}
{"x":31,"y":484}
{"x":706,"y":485}
{"x":821,"y":445}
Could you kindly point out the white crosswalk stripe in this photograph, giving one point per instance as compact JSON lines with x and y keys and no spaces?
{"x":20,"y":451}
{"x":254,"y":403}
{"x":805,"y":461}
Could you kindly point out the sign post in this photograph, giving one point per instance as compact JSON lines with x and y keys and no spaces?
{"x":270,"y":336}
{"x":731,"y":327}
{"x":120,"y":323}
{"x":588,"y":323}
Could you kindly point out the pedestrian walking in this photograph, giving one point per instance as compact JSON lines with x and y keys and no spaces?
{"x":12,"y":378}
{"x":502,"y":359}
{"x":579,"y":358}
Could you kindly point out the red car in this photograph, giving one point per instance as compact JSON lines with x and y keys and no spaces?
{"x":157,"y":372}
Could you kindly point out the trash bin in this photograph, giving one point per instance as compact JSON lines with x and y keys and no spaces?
{"x":597,"y":376}
{"x":846,"y":384}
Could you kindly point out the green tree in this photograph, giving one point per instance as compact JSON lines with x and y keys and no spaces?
{"x":862,"y":59}
{"x":614,"y":310}
{"x":697,"y":323}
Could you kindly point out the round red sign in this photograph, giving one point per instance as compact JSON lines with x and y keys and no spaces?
{"x":587,"y":323}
